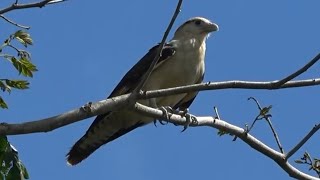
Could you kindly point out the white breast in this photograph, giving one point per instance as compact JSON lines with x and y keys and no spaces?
{"x":184,"y":68}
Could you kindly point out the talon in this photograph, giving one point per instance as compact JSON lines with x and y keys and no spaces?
{"x":163,"y":122}
{"x":183,"y":113}
{"x":165,"y":110}
{"x":160,"y":121}
{"x":190,"y":119}
{"x":155,"y":123}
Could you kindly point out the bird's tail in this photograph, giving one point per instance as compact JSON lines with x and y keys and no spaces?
{"x":104,"y":129}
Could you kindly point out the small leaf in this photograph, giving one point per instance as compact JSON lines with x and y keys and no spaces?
{"x":307,"y":156}
{"x":4,"y":87}
{"x":18,"y":84}
{"x":24,"y":171}
{"x":3,"y":104}
{"x":16,"y":64}
{"x":14,"y":173}
{"x":23,"y":37}
{"x":264,"y":111}
{"x":3,"y":144}
{"x":298,"y":161}
{"x":24,"y":66}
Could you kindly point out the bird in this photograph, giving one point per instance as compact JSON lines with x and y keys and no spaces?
{"x":181,"y":63}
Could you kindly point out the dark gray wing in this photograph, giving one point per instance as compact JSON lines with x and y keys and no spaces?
{"x":132,"y":78}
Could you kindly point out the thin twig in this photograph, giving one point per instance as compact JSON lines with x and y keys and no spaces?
{"x":216,"y":111}
{"x":302,"y":142}
{"x":275,"y":135}
{"x":9,"y":45}
{"x":159,"y":50}
{"x":298,"y":72}
{"x":14,"y":23}
{"x":228,"y":85}
{"x":39,"y":4}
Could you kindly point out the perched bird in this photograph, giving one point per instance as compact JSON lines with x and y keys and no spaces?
{"x":181,"y":63}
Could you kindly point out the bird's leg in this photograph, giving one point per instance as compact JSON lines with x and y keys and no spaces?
{"x":165,"y":111}
{"x":190,"y":119}
{"x":153,"y":104}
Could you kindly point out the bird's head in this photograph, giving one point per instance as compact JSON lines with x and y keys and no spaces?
{"x":197,"y":27}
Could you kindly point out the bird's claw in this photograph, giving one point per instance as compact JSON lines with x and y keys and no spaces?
{"x":165,"y":111}
{"x":190,"y":119}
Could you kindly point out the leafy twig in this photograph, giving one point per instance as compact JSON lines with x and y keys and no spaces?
{"x":264,"y":115}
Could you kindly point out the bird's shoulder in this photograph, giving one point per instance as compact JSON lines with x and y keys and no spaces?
{"x":131,"y":79}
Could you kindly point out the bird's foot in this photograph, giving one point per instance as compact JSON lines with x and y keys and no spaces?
{"x":190,"y":119}
{"x":165,"y":111}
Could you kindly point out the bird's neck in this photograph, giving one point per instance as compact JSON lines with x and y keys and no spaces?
{"x":186,"y":39}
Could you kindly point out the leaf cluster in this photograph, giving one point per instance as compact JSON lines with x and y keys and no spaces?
{"x":11,"y":167}
{"x":21,"y":62}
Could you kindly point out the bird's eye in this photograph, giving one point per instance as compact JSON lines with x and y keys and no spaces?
{"x":197,"y":22}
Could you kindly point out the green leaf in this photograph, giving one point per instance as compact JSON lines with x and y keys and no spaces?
{"x":24,"y":171}
{"x":4,"y":87}
{"x":298,"y":161}
{"x":3,"y":104}
{"x":264,"y":111}
{"x":14,"y":173}
{"x":24,"y":66}
{"x":23,"y":37}
{"x":3,"y":143}
{"x":18,"y":84}
{"x":11,"y":166}
{"x":16,"y":64}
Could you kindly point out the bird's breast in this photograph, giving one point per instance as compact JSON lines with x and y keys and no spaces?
{"x":184,"y":68}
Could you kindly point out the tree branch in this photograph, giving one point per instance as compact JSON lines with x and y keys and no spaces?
{"x":72,"y":116}
{"x":39,"y":4}
{"x":231,"y":129}
{"x":267,"y":118}
{"x":298,"y":72}
{"x":302,"y":142}
{"x":51,"y":123}
{"x":159,"y":50}
{"x":14,"y":23}
{"x":265,"y":85}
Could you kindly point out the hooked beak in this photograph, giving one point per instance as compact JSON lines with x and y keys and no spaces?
{"x":212,"y":27}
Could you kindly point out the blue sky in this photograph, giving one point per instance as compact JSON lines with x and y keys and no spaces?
{"x":83,"y":48}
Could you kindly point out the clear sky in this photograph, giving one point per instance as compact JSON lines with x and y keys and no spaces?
{"x":83,"y":48}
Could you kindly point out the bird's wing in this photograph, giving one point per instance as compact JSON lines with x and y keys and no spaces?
{"x":132,"y":78}
{"x":100,"y":132}
{"x":188,"y":99}
{"x":130,"y":81}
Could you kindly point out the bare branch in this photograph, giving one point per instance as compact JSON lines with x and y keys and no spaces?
{"x":72,"y":116}
{"x":297,"y":73}
{"x":228,"y":85}
{"x":302,"y":142}
{"x":159,"y":50}
{"x":231,"y":129}
{"x":14,"y":23}
{"x":51,"y":123}
{"x":39,"y":4}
